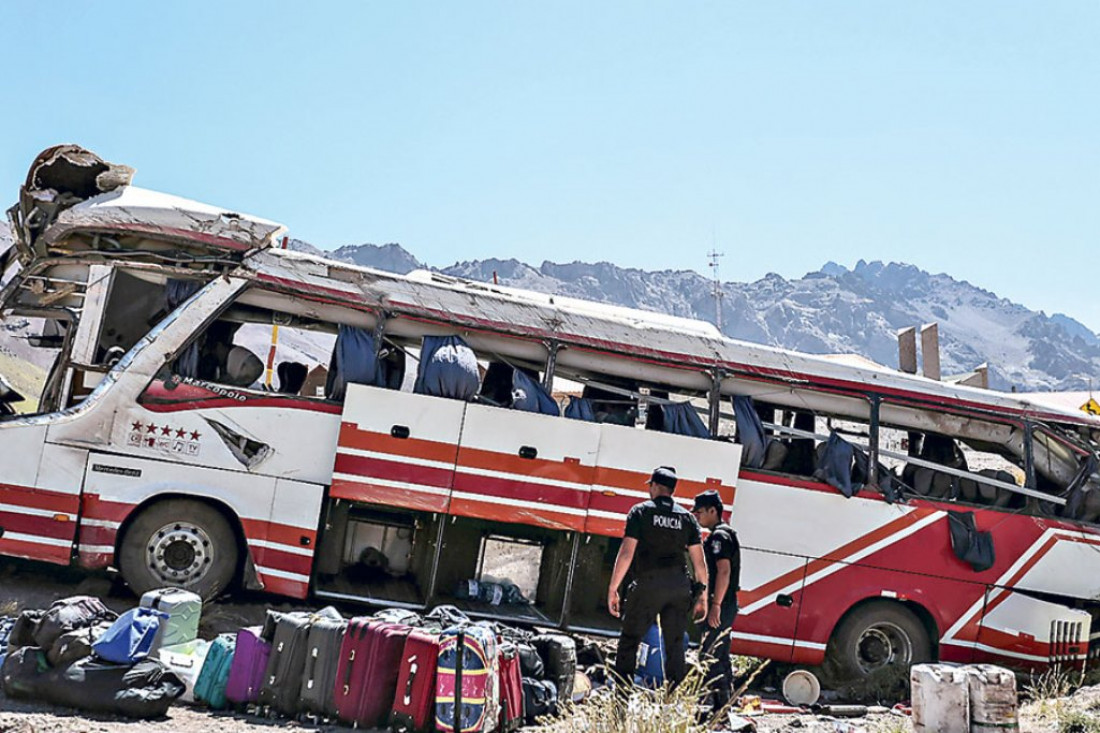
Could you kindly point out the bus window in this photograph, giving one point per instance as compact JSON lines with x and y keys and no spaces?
{"x":954,"y":457}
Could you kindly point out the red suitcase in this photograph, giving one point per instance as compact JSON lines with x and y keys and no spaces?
{"x":366,"y":679}
{"x":351,"y":670}
{"x":511,"y":689}
{"x":414,"y":701}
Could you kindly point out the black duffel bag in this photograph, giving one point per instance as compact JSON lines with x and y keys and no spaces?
{"x":68,"y":614}
{"x":540,"y":698}
{"x":144,"y":690}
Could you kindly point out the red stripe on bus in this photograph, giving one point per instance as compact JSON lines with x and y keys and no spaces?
{"x":520,"y":490}
{"x":287,"y":562}
{"x":284,"y":587}
{"x":283,"y":534}
{"x":393,"y":470}
{"x":34,"y":498}
{"x":37,"y":526}
{"x":35,"y":551}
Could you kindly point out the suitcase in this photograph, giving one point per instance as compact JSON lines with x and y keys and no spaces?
{"x":214,"y":676}
{"x":246,"y":673}
{"x":367,"y":681}
{"x":186,"y":661}
{"x":467,"y":695}
{"x":351,"y":671}
{"x":559,"y":655}
{"x":511,"y":689}
{"x":414,"y":700}
{"x":326,"y":636}
{"x":282,"y":683}
{"x":183,"y":610}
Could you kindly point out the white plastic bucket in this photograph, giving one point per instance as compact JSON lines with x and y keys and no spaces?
{"x":801,"y":688}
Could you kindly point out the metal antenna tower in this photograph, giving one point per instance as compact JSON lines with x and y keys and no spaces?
{"x":716,"y":290}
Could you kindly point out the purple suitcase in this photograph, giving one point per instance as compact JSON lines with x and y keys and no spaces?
{"x":246,"y":675}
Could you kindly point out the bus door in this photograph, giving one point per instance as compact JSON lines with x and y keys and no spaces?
{"x":39,"y":493}
{"x":397,"y":449}
{"x":526,"y":468}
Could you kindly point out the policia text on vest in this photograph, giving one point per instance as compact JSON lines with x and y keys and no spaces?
{"x":658,"y":532}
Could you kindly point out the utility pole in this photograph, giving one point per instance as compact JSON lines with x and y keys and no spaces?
{"x":714,"y":255}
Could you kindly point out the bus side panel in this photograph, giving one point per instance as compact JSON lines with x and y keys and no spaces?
{"x":1022,"y":631}
{"x":627,"y":458}
{"x":39,"y":496}
{"x":769,"y":605}
{"x":524,"y":467}
{"x":121,"y":484}
{"x":397,"y":449}
{"x":282,"y":548}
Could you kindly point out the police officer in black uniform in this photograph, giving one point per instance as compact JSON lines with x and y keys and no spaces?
{"x":723,"y":554}
{"x":657,"y":534}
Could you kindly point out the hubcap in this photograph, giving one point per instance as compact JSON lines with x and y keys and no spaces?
{"x":883,"y":645}
{"x":180,"y":553}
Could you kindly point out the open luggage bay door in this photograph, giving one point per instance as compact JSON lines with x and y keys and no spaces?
{"x":627,"y":458}
{"x":397,"y":449}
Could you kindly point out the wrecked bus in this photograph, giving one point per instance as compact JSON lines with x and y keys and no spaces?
{"x":401,"y":444}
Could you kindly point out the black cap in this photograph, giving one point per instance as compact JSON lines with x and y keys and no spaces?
{"x":709,"y":499}
{"x":664,"y":476}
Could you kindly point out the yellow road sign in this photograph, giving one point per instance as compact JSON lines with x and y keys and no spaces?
{"x":1091,"y":407}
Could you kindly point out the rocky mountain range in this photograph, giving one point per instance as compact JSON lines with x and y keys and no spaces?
{"x":836,"y":309}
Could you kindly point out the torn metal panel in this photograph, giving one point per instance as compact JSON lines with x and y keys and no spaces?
{"x":70,"y":190}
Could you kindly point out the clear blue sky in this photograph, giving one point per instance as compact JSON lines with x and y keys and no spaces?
{"x":960,"y":137}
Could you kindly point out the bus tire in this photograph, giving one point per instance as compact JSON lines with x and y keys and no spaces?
{"x":182,"y":543}
{"x":877,"y":638}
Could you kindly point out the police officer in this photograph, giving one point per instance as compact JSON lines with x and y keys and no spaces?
{"x":658,"y":532}
{"x":723,"y":554}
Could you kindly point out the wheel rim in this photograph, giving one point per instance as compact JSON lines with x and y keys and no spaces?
{"x":180,"y":553}
{"x":883,"y":645}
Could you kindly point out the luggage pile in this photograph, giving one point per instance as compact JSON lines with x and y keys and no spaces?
{"x":80,"y":654}
{"x":397,"y":669}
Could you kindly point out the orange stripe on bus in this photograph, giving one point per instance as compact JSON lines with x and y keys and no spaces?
{"x":351,"y":436}
{"x":563,"y":470}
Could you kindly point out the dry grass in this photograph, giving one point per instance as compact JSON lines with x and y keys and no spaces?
{"x":646,"y":711}
{"x":1052,"y":684}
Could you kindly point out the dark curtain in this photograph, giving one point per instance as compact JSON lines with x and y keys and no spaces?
{"x":682,"y":419}
{"x":175,"y":293}
{"x":530,"y":396}
{"x":750,"y":432}
{"x":448,"y":368}
{"x":580,"y":408}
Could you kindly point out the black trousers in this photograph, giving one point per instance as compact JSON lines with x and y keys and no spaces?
{"x":666,"y":593}
{"x":716,"y":654}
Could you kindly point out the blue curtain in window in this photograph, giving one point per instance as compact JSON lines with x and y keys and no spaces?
{"x":354,"y":361}
{"x":448,"y":368}
{"x":750,"y":432}
{"x":682,"y":419}
{"x":530,"y":396}
{"x":580,"y":408}
{"x":175,"y":293}
{"x":835,"y":465}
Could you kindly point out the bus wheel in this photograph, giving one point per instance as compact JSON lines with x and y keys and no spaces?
{"x":878,"y":638}
{"x":181,"y":543}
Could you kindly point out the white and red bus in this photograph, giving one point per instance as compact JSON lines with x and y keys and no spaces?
{"x":159,"y":448}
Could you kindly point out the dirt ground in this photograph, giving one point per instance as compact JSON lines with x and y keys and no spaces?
{"x":31,"y":585}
